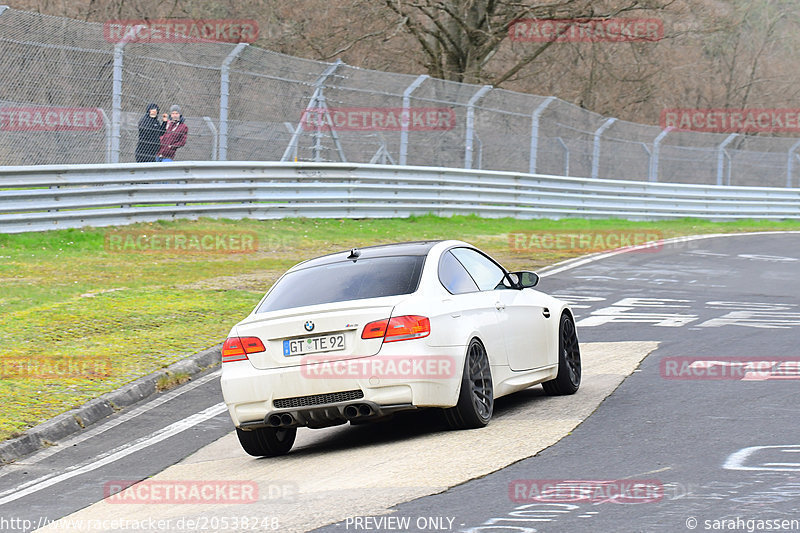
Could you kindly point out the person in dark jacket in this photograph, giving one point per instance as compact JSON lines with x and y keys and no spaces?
{"x":174,"y":135}
{"x":150,"y":131}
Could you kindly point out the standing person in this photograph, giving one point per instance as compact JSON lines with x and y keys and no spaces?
{"x":150,"y":132}
{"x":174,"y":136}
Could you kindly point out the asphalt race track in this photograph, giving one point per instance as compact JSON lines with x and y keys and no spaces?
{"x":702,"y":435}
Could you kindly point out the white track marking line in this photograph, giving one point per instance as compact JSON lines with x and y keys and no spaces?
{"x":116,"y":421}
{"x":106,"y":458}
{"x":569,"y":264}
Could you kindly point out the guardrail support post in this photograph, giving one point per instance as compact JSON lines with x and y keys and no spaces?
{"x":790,"y":163}
{"x":407,"y":117}
{"x":116,"y":91}
{"x":224,"y":94}
{"x":537,"y":113}
{"x":653,"y":170}
{"x":596,"y":155}
{"x":471,"y":124}
{"x":721,"y":154}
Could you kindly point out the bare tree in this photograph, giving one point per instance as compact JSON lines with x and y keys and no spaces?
{"x":743,"y":47}
{"x":714,"y":54}
{"x":459,"y":38}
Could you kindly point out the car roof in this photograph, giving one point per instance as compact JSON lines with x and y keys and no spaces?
{"x":380,"y":250}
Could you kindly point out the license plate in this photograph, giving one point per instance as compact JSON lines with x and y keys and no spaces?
{"x":322,"y":343}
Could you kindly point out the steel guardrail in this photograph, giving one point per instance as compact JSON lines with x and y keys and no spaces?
{"x":36,"y":198}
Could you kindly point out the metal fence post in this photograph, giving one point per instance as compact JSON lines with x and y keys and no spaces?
{"x":214,"y":136}
{"x":596,"y":155}
{"x":116,"y":102}
{"x":471,"y":123}
{"x":290,"y":129}
{"x":224,"y":93}
{"x":407,"y":116}
{"x":116,"y":88}
{"x":537,"y":113}
{"x":323,"y":104}
{"x":3,"y":8}
{"x":107,"y":124}
{"x":480,"y":152}
{"x":566,"y":154}
{"x":653,"y":174}
{"x":721,"y":154}
{"x":648,"y":152}
{"x":790,"y":163}
{"x":319,"y":84}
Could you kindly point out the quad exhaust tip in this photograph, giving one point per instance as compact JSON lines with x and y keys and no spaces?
{"x":356,"y":410}
{"x":350,"y":412}
{"x":280,"y":420}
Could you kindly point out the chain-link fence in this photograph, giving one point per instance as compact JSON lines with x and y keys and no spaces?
{"x":69,"y":95}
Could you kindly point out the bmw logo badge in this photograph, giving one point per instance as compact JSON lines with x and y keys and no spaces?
{"x":309,"y":325}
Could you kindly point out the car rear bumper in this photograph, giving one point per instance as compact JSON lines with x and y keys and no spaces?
{"x":315,"y":398}
{"x":325,"y":415}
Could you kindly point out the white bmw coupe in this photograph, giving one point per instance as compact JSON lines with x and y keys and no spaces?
{"x":358,"y":335}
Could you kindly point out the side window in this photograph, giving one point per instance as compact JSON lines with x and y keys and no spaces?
{"x":483,"y":270}
{"x":454,"y":277}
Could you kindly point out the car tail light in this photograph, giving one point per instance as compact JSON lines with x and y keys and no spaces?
{"x":407,"y":327}
{"x":237,"y":348}
{"x":399,"y":328}
{"x":375,"y":330}
{"x":252,"y":344}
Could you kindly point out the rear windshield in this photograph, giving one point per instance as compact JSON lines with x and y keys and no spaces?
{"x":344,"y":281}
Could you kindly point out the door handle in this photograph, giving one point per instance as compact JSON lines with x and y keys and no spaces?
{"x":546,"y":312}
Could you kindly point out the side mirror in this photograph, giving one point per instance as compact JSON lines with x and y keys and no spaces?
{"x":523,"y":279}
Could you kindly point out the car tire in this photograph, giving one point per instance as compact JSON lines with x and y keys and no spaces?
{"x":267,"y":442}
{"x":476,"y":399}
{"x":568,"y":379}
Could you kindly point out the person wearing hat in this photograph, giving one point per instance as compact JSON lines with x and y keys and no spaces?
{"x":150,"y":131}
{"x":174,"y":136}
